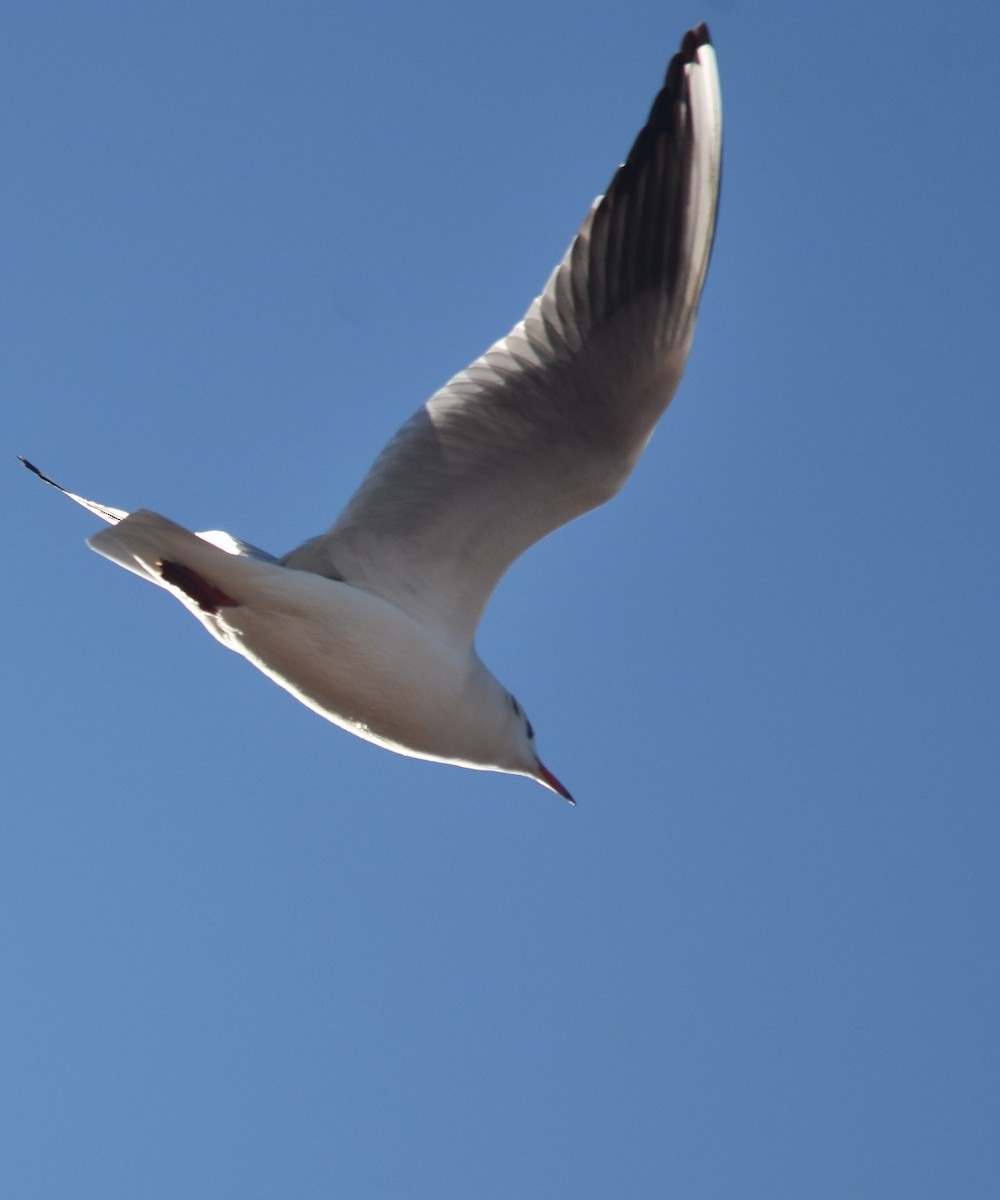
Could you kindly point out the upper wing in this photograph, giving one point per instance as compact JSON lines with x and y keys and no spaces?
{"x":551,"y":420}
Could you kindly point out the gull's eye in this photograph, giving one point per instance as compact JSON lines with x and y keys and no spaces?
{"x":531,"y":732}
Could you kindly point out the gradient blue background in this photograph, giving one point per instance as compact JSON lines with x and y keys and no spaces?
{"x":243,"y":954}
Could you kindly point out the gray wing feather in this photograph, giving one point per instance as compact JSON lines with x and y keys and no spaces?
{"x":550,"y":421}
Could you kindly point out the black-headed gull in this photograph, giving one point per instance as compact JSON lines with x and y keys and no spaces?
{"x":372,"y":624}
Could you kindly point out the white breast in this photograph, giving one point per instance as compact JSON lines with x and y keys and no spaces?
{"x":354,"y":658}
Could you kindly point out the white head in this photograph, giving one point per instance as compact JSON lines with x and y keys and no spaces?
{"x":521,"y":738}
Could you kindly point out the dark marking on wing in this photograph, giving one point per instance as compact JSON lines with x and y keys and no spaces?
{"x":206,"y":595}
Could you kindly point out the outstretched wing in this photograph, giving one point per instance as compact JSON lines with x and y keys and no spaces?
{"x":551,"y":420}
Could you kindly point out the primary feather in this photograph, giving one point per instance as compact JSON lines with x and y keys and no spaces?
{"x":550,"y":421}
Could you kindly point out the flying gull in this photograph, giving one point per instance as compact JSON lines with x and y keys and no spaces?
{"x":372,"y":624}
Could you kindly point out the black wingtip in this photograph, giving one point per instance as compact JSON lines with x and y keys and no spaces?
{"x":691,"y":43}
{"x":699,"y":36}
{"x":687,"y":53}
{"x":35,"y":471}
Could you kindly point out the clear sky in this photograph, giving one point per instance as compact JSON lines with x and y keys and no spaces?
{"x":244,"y":954}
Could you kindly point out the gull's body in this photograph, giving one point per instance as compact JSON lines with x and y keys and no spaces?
{"x":372,"y":624}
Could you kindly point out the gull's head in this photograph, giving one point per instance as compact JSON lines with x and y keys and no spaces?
{"x":522,"y":735}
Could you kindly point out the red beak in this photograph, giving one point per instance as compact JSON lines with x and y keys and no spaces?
{"x":545,"y":776}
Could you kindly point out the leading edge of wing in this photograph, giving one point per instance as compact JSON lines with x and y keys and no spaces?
{"x":549,"y":422}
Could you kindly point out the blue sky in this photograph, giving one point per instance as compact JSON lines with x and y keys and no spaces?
{"x":244,"y":954}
